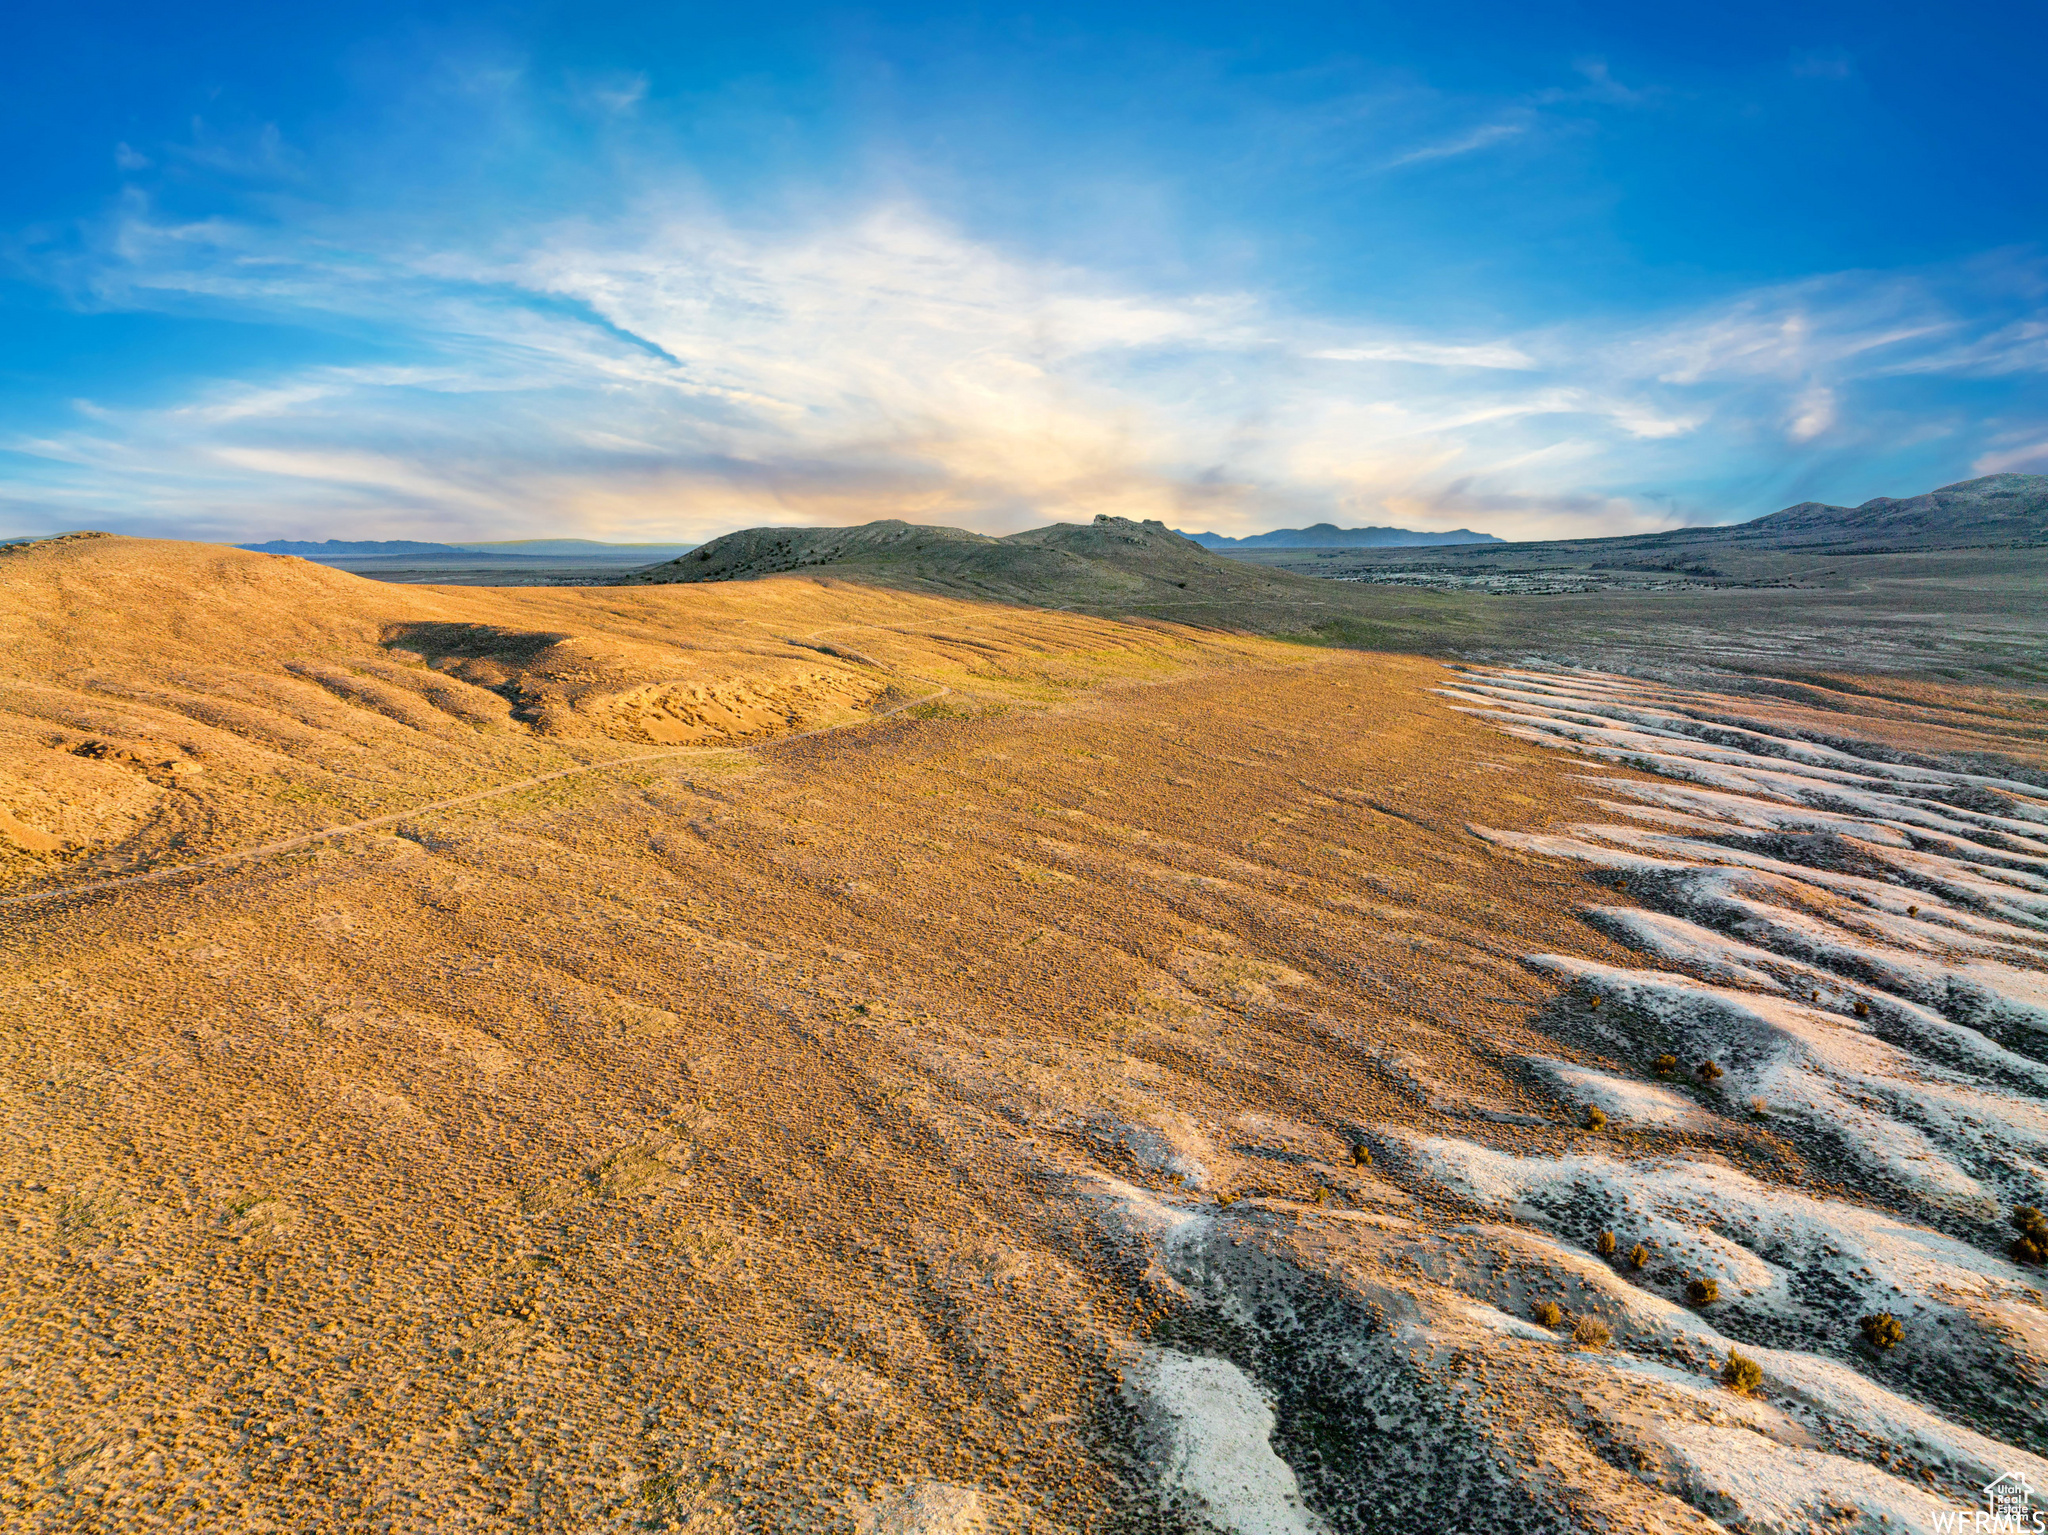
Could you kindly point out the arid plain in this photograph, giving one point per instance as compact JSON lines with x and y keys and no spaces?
{"x":789,"y":1055}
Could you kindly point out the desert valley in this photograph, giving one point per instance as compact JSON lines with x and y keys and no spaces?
{"x":897,"y":1031}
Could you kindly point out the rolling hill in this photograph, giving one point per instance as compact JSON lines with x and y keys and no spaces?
{"x":1112,"y":566}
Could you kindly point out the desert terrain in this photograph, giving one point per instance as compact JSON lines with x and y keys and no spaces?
{"x":878,"y":1052}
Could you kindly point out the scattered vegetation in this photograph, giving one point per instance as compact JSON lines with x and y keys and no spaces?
{"x":1591,"y":1332}
{"x":1548,"y":1314}
{"x":1709,"y":1072}
{"x":1361,"y":1156}
{"x":1596,"y":1118}
{"x":1605,"y":1244}
{"x":1664,"y":1065}
{"x":1594,"y":1000}
{"x":1639,"y":1257}
{"x":2032,"y":1244}
{"x":1882,"y":1331}
{"x":1862,"y":1008}
{"x":1703,"y":1292}
{"x":1761,"y":1109}
{"x":1741,"y":1373}
{"x":1912,"y":911}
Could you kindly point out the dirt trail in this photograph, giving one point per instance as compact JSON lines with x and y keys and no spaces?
{"x":326,"y":834}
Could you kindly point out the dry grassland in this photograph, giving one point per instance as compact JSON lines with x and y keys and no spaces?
{"x":706,"y":1142}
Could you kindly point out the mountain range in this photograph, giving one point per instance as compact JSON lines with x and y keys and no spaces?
{"x":1325,"y":535}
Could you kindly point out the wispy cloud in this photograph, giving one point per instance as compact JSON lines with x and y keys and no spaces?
{"x":670,"y":371}
{"x":1482,"y":137}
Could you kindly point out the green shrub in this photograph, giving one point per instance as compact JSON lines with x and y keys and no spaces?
{"x":1548,"y":1313}
{"x":1605,"y":1244}
{"x":1664,"y":1065}
{"x":1742,"y":1373}
{"x":1882,"y":1331}
{"x":1703,"y":1292}
{"x":1862,"y":1008}
{"x":1594,"y":1000}
{"x":1361,"y":1156}
{"x":1639,"y":1257}
{"x":1709,"y":1072}
{"x":1591,"y":1332}
{"x":1596,"y":1119}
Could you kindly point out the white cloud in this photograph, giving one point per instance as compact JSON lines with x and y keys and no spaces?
{"x":1481,"y":137}
{"x":670,"y":373}
{"x":2022,"y":458}
{"x":1812,"y":413}
{"x":1453,"y":355}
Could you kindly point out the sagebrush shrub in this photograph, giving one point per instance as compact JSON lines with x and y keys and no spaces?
{"x":1548,"y":1313}
{"x":1639,"y":1256}
{"x":1591,"y":1332}
{"x":1882,"y":1331}
{"x":1742,"y":1373}
{"x":1596,"y":1118}
{"x":1703,"y":1292}
{"x":1664,"y":1065}
{"x":1605,"y":1244}
{"x":1709,"y":1072}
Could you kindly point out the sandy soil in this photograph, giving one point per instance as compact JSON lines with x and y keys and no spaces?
{"x":1059,"y":1103}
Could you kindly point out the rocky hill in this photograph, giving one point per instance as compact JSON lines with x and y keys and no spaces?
{"x":1112,"y":565}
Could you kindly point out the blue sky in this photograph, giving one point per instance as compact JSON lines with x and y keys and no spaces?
{"x":649,"y":273}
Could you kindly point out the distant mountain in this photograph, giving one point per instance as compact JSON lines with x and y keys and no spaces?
{"x":1326,"y":535}
{"x":1998,"y":509}
{"x":330,"y":548}
{"x":578,"y":548}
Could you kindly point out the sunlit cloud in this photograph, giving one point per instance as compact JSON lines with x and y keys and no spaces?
{"x":667,"y":371}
